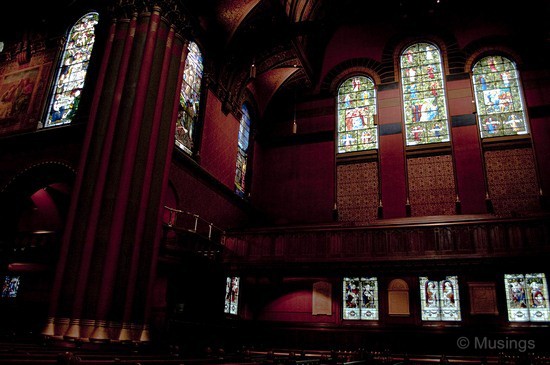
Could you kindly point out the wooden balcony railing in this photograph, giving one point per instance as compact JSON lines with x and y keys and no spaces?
{"x":398,"y":239}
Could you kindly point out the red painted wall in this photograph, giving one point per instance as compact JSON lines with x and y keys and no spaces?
{"x":295,"y":184}
{"x":213,"y":206}
{"x":537,"y":95}
{"x":357,"y":41}
{"x":291,"y":301}
{"x":219,"y":142}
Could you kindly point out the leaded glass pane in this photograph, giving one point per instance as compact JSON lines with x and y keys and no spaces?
{"x":356,"y":110}
{"x":440,"y":299}
{"x":72,"y":72}
{"x":498,"y":98}
{"x":515,"y":298}
{"x":450,"y":301}
{"x":429,"y":296}
{"x":189,"y":98}
{"x":423,"y":95}
{"x":242,"y":153}
{"x":537,"y":297}
{"x":360,"y":299}
{"x":232,"y":295}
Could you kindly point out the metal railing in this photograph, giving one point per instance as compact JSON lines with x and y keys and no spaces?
{"x":182,"y":220}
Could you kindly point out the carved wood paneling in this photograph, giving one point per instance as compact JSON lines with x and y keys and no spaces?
{"x":495,"y":237}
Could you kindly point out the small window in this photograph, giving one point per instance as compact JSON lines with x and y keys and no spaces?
{"x":356,"y":112}
{"x":499,"y":103}
{"x":526,"y":297}
{"x":72,"y":71}
{"x":440,"y":299}
{"x":232,"y":295}
{"x":360,"y":300}
{"x":10,"y":286}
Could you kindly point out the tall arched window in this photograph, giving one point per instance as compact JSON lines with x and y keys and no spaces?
{"x":424,"y":95}
{"x":72,"y":71}
{"x":243,"y":151}
{"x":356,"y":110}
{"x":189,"y":99}
{"x":499,"y":104}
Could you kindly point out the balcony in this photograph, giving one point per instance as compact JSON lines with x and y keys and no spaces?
{"x":399,"y":240}
{"x":187,"y":233}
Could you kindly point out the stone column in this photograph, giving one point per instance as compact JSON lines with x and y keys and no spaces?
{"x":110,"y":246}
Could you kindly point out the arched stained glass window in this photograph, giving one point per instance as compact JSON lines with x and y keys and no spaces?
{"x":424,"y":95}
{"x":356,"y":111}
{"x":72,"y":71}
{"x":360,"y":300}
{"x":526,"y":297}
{"x":499,"y":104}
{"x":242,"y":153}
{"x":440,"y":299}
{"x":189,"y":99}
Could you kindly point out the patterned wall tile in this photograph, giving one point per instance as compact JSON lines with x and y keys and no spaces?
{"x":357,"y":192}
{"x":512,"y":180}
{"x":431,"y":185}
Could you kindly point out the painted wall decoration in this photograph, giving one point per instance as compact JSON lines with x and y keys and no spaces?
{"x":21,"y":94}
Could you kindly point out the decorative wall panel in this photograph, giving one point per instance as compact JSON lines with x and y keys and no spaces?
{"x":431,"y":185}
{"x":512,"y":180}
{"x":357,"y":192}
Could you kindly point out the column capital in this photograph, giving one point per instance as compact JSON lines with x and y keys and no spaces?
{"x":170,"y":10}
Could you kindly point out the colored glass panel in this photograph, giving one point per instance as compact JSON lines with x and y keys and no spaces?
{"x":72,"y":72}
{"x":10,"y":286}
{"x":189,"y":99}
{"x":232,"y":295}
{"x":526,"y":297}
{"x":356,"y":110}
{"x":424,"y":95}
{"x":242,"y":153}
{"x":360,"y":301}
{"x":498,"y":98}
{"x":439,"y":300}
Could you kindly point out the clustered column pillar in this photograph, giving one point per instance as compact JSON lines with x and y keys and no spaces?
{"x":110,"y":246}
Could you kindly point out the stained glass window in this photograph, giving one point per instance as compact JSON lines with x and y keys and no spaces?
{"x":189,"y":99}
{"x":424,"y":95}
{"x":72,"y":72}
{"x":526,"y":297}
{"x":356,"y":111}
{"x":440,"y":300}
{"x":242,"y":153}
{"x":232,"y":295}
{"x":498,"y":98}
{"x":10,"y":286}
{"x":360,"y":300}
